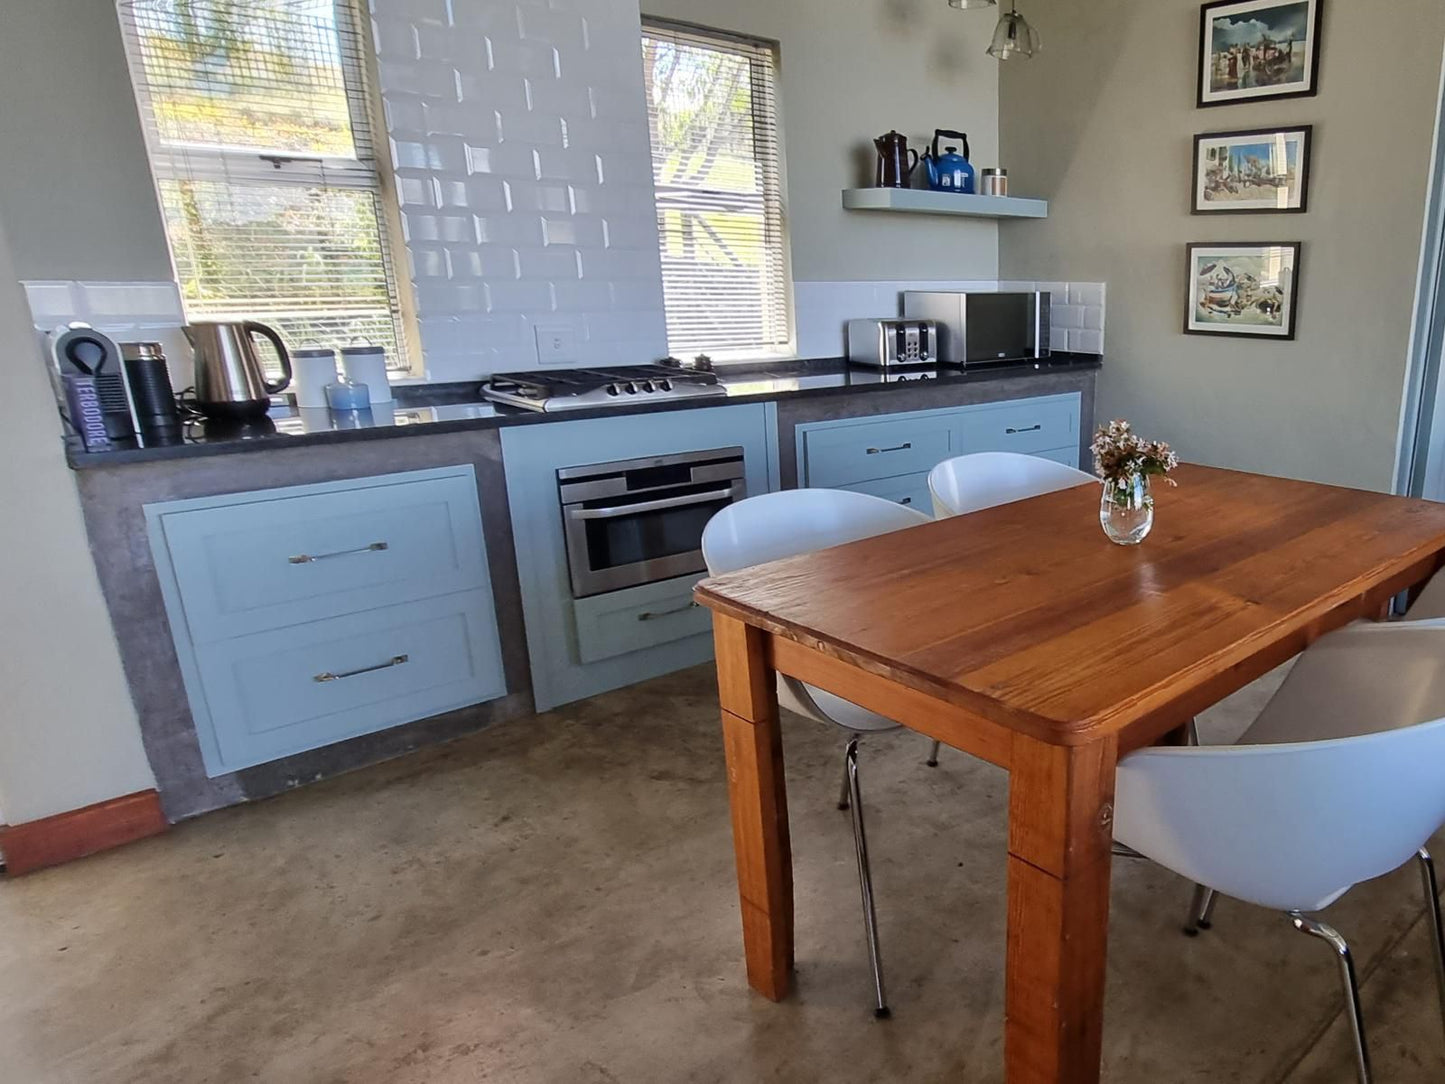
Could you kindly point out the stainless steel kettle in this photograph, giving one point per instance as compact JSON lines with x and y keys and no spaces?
{"x":229,"y":381}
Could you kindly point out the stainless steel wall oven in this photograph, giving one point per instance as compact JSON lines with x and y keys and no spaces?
{"x":637,"y":521}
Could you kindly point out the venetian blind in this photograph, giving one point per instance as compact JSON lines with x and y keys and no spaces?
{"x":711,"y":109}
{"x":260,"y":140}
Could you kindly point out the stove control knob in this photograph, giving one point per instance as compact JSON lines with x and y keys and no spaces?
{"x":630,"y":388}
{"x":647,"y":386}
{"x":665,"y":384}
{"x":611,"y":389}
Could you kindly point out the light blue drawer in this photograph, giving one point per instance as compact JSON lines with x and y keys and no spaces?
{"x":1020,"y":425}
{"x":623,"y":621}
{"x":266,"y":560}
{"x":910,"y":489}
{"x":841,"y":455}
{"x":276,"y":693}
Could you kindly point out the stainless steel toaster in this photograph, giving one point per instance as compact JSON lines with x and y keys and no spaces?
{"x":884,"y":343}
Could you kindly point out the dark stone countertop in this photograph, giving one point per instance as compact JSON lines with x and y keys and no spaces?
{"x":444,"y":408}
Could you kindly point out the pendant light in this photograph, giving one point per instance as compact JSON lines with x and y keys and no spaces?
{"x":1013,"y":36}
{"x":967,"y":5}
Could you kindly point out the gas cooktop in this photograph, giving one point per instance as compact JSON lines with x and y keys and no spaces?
{"x":577,"y":389}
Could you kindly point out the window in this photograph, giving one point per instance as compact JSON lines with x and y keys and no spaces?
{"x":713,"y":119}
{"x":256,"y":117}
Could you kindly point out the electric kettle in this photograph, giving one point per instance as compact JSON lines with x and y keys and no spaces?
{"x":949,"y":171}
{"x":229,"y":381}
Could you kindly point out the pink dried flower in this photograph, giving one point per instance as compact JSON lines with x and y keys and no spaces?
{"x":1120,"y":454}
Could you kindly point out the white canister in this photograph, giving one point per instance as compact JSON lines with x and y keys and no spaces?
{"x":312,"y":368}
{"x":367,"y":365}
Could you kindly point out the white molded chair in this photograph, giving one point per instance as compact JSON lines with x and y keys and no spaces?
{"x":770,"y":527}
{"x":1429,"y":604}
{"x":969,"y":483}
{"x":1340,"y":779}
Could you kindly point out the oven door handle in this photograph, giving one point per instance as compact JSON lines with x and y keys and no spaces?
{"x":652,"y":506}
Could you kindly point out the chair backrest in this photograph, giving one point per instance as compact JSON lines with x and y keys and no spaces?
{"x":968,"y":483}
{"x":1286,"y":826}
{"x":771,"y":526}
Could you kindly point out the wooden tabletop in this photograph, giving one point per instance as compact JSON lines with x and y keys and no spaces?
{"x":1027,"y":615}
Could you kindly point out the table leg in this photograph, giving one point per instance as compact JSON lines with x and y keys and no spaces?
{"x":758,"y":795}
{"x":1061,"y":804}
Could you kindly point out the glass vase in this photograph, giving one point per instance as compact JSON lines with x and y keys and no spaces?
{"x":1126,"y":510}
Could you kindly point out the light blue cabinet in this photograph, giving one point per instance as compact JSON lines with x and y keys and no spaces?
{"x":307,"y":615}
{"x":890,"y":455}
{"x":581,"y":647}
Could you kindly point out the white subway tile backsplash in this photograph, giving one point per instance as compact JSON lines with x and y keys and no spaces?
{"x":1084,"y":341}
{"x":1066,"y":316}
{"x":1086,"y":293}
{"x":555,"y":263}
{"x":1094,"y":317}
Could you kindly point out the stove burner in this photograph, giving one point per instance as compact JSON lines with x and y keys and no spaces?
{"x":578,"y":389}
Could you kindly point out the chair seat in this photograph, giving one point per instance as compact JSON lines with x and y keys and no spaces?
{"x":1430,"y":604}
{"x":824,"y":707}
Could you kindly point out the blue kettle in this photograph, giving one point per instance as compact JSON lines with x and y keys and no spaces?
{"x":949,"y":171}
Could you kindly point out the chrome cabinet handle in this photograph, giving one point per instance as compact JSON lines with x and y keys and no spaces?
{"x":651,"y":615}
{"x":898,"y":448}
{"x":395,"y":660}
{"x":308,"y":558}
{"x":1026,"y":429}
{"x":650,"y":506}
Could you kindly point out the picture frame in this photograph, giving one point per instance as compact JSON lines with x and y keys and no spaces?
{"x":1258,"y":50}
{"x":1245,"y":289}
{"x":1252,"y":171}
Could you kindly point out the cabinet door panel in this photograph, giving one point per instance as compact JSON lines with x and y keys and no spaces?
{"x":845,"y":454}
{"x":1019,"y":425}
{"x":280,"y":692}
{"x":262,"y":564}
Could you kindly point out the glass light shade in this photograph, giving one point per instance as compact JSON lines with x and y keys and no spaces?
{"x":1013,"y":37}
{"x":966,"y":5}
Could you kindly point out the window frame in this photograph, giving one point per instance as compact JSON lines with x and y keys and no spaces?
{"x":372,"y":170}
{"x":664,"y":26}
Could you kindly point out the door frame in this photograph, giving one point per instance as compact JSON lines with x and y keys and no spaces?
{"x":1420,"y":454}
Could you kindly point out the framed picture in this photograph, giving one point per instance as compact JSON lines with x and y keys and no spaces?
{"x":1262,"y":171}
{"x":1243,"y":288}
{"x":1251,"y":50}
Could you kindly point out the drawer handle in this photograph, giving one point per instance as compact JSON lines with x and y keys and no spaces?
{"x":1026,"y":429}
{"x":307,"y":558}
{"x":906,"y":500}
{"x":395,"y":660}
{"x":651,"y":615}
{"x":897,"y":448}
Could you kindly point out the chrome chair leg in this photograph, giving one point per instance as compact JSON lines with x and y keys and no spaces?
{"x":1201,"y":910}
{"x":932,"y":760}
{"x":1437,"y":938}
{"x":1352,"y":986}
{"x":865,"y":880}
{"x":1191,"y":733}
{"x":843,"y":794}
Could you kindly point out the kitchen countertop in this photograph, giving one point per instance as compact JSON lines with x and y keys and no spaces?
{"x":441,"y":408}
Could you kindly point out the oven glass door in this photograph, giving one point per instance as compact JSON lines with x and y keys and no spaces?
{"x":619,"y":542}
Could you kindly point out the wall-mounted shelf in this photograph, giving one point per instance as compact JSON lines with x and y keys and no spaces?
{"x":920,"y":201}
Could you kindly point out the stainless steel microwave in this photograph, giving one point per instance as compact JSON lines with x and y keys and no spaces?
{"x":984,"y":328}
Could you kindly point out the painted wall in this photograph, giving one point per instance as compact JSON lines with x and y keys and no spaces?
{"x":854,"y":71}
{"x":75,"y":187}
{"x":68,"y":732}
{"x":1101,"y":123}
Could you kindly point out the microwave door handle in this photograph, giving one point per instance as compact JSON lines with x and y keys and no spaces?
{"x":653,"y":506}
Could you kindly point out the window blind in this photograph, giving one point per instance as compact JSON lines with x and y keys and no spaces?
{"x":712,"y":113}
{"x":256,"y":118}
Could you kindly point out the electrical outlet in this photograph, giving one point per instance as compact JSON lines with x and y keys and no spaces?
{"x":556,"y":344}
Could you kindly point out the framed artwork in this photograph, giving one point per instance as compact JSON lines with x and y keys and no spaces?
{"x":1252,"y":50}
{"x":1243,"y":288}
{"x":1261,"y":171}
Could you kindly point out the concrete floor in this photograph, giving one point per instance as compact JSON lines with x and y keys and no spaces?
{"x":553,"y":900}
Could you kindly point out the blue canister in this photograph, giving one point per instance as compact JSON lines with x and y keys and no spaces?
{"x":344,"y":395}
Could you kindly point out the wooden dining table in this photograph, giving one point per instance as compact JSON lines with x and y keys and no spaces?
{"x":1022,"y":635}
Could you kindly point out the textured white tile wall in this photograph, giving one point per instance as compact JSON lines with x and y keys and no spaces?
{"x":822,"y":309}
{"x":524,"y":172}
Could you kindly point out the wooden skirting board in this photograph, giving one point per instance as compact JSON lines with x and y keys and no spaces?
{"x":67,"y":836}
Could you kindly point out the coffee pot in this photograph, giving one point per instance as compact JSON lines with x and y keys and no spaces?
{"x":893,"y":165}
{"x":949,"y":171}
{"x":229,"y":381}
